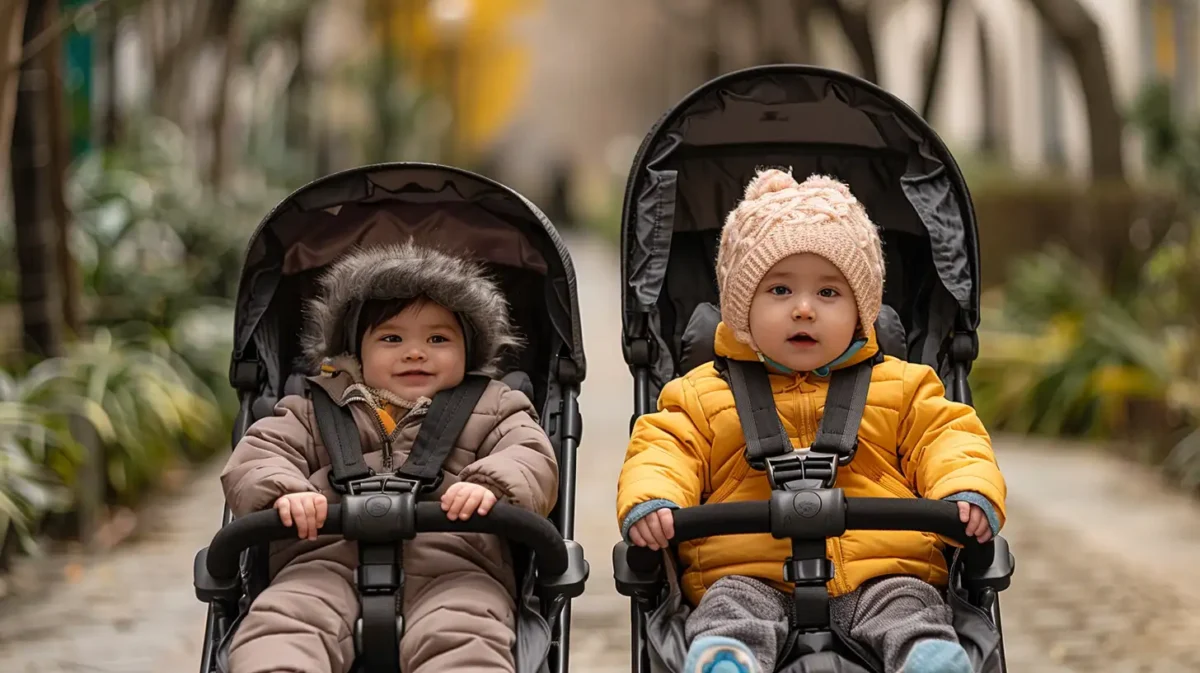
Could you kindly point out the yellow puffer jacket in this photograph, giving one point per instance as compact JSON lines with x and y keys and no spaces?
{"x":913,"y":442}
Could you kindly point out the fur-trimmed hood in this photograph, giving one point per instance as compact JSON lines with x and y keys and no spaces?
{"x":407,"y":271}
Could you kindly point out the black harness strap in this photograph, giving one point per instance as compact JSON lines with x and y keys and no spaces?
{"x":448,"y":415}
{"x":769,"y":448}
{"x":765,"y":434}
{"x":339,"y":434}
{"x":837,"y":432}
{"x":380,"y":574}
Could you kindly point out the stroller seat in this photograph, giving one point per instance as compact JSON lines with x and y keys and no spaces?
{"x":642,"y":576}
{"x":690,"y":171}
{"x":455,"y":211}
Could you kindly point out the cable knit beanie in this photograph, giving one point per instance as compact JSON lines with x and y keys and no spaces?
{"x":779,"y":217}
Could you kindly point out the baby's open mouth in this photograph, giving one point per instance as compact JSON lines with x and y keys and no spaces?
{"x":802,"y":338}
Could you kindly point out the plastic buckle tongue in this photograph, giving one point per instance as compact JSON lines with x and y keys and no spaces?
{"x":802,"y":469}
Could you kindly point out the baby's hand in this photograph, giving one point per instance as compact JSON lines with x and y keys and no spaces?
{"x":463,"y":499}
{"x":976,"y":520}
{"x":654,"y":530}
{"x":307,"y":509}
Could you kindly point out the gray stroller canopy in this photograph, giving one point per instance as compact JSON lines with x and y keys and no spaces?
{"x":693,"y":166}
{"x":450,"y":208}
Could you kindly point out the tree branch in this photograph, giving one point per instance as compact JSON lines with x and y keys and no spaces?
{"x":1080,"y":35}
{"x":933,"y":69}
{"x":47,"y":37}
{"x":856,"y":24}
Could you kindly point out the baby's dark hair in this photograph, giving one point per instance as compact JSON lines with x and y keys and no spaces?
{"x":375,"y":312}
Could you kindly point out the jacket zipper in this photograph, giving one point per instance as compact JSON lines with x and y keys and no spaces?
{"x":383,"y":435}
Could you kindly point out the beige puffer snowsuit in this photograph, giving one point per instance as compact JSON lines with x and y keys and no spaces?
{"x":458,"y":598}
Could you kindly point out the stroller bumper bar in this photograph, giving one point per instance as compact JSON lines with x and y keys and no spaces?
{"x":814,"y":515}
{"x":387,"y":518}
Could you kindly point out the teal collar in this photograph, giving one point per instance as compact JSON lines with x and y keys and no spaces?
{"x":824,"y":371}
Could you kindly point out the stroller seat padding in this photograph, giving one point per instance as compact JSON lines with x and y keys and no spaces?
{"x":696,"y":346}
{"x":519,"y":380}
{"x":822,"y":662}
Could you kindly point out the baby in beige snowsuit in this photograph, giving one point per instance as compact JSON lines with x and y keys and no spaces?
{"x":392,"y":327}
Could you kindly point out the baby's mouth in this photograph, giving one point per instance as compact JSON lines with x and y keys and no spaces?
{"x":802,"y":338}
{"x":414,"y":373}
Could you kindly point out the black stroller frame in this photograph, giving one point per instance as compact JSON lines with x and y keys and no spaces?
{"x":689,"y":172}
{"x":452,"y":209}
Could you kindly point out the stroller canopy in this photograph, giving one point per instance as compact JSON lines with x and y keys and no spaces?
{"x":693,"y":166}
{"x":450,"y":208}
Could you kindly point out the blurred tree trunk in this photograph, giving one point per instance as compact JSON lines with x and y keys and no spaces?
{"x":383,"y":12}
{"x":56,"y":171}
{"x":802,"y":13}
{"x":856,"y":24}
{"x":1075,"y":28}
{"x":12,"y":18}
{"x":298,"y":124}
{"x":989,"y":143}
{"x":712,"y":55}
{"x":110,"y":133}
{"x":226,"y":30}
{"x":179,"y":31}
{"x":39,"y":292}
{"x":933,"y":67}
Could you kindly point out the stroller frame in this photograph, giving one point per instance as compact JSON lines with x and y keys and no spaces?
{"x":828,"y":122}
{"x":446,"y":206}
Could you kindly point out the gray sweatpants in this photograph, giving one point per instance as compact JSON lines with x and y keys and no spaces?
{"x":887,"y":616}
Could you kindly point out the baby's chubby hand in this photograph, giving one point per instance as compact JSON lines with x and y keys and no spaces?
{"x":654,"y":530}
{"x":307,"y":510}
{"x":463,"y":499}
{"x":976,"y":520}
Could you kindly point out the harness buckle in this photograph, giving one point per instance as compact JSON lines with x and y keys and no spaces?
{"x":390,"y":483}
{"x":802,"y":470}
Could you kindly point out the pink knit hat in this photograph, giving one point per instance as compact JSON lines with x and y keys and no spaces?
{"x":779,"y":217}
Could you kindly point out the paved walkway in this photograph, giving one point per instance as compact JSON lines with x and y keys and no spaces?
{"x":1108,"y":564}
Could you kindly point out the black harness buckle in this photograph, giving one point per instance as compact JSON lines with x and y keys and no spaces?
{"x":802,"y":470}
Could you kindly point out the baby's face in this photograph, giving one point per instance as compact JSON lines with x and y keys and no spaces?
{"x":415,"y":353}
{"x":803,"y":314}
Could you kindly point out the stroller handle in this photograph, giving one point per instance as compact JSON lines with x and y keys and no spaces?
{"x":504,"y":520}
{"x":916,"y":514}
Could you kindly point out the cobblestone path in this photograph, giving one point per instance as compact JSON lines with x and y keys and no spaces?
{"x":1108,"y":566}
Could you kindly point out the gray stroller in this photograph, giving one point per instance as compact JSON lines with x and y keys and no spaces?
{"x":456,"y":211}
{"x":688,"y":174}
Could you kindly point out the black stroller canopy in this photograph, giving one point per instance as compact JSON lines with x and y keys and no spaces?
{"x":693,"y":166}
{"x":449,"y":208}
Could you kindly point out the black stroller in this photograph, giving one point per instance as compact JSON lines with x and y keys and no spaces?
{"x":454,"y":210}
{"x":688,"y":174}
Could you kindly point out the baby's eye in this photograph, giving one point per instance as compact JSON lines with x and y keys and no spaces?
{"x":780,"y":291}
{"x":827,"y":292}
{"x":392,"y":339}
{"x":438,"y":339}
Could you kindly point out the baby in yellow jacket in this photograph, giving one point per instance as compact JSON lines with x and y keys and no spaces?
{"x":800,"y":271}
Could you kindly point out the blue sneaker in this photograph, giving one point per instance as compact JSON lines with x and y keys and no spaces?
{"x":937,"y":656}
{"x":717,"y":654}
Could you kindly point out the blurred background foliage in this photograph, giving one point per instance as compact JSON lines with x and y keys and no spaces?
{"x":148,"y":138}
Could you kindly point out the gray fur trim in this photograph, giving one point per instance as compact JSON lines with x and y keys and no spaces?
{"x":405,"y":271}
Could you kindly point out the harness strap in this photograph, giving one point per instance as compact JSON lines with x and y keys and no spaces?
{"x":340,"y":436}
{"x":765,"y":434}
{"x":380,"y":574}
{"x":844,"y":406}
{"x":448,"y":415}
